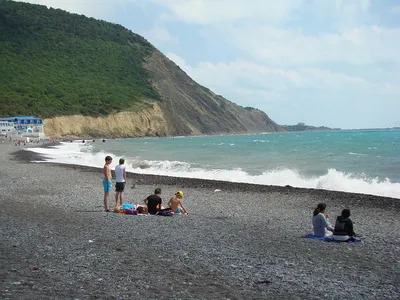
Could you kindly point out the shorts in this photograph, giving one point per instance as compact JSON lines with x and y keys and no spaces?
{"x":178,"y":211}
{"x":107,"y":184}
{"x":119,"y":186}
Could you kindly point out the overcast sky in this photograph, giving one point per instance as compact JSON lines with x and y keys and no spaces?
{"x":323,"y":62}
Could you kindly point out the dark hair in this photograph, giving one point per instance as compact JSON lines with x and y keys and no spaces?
{"x":142,"y":209}
{"x":346,"y":213}
{"x":157,"y":191}
{"x":108,"y":158}
{"x":121,"y":161}
{"x":320,"y":207}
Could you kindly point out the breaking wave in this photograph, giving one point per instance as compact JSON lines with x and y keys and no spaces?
{"x":74,"y":153}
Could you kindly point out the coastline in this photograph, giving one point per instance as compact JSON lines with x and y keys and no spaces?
{"x":243,"y":242}
{"x":28,"y":156}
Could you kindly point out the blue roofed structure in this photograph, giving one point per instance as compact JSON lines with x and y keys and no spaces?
{"x":23,"y":120}
{"x":26,"y":125}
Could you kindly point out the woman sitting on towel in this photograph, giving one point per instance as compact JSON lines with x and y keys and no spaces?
{"x":322,"y":228}
{"x":344,"y":227}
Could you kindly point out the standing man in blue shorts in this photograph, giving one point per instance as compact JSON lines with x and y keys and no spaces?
{"x":120,"y":180}
{"x":107,"y":182}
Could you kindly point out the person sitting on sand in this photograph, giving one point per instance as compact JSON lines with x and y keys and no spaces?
{"x":176,"y":205}
{"x":107,"y":182}
{"x":343,"y":230}
{"x":321,"y":225}
{"x":153,"y":202}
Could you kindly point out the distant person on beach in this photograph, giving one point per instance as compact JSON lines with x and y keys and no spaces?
{"x":320,"y":223}
{"x":107,"y":182}
{"x":120,"y":180}
{"x":343,"y":230}
{"x":176,"y":205}
{"x":153,"y":202}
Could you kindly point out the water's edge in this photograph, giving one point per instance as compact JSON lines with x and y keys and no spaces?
{"x":346,"y":198}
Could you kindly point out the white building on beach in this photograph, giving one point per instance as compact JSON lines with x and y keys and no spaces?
{"x":6,"y":128}
{"x":22,"y":126}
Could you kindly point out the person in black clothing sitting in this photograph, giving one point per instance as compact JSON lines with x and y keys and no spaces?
{"x":343,"y":230}
{"x":153,"y":202}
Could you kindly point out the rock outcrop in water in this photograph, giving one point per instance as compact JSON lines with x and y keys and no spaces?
{"x":91,"y":78}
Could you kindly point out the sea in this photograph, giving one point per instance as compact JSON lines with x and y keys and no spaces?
{"x":358,"y":161}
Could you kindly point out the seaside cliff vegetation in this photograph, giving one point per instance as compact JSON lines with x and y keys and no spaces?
{"x":88,"y":77}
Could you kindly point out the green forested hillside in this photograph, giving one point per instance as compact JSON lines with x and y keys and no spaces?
{"x":56,"y":63}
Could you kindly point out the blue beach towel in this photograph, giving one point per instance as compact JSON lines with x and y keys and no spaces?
{"x":328,"y":239}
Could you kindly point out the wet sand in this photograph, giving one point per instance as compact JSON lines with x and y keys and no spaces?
{"x":243,"y":242}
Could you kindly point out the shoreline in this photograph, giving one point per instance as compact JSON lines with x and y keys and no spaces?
{"x":385,"y":185}
{"x":244,"y":242}
{"x":137,"y":178}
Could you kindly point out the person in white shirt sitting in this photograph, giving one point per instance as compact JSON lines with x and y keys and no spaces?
{"x":322,"y":228}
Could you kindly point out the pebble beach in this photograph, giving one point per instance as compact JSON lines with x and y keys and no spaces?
{"x":240,"y":241}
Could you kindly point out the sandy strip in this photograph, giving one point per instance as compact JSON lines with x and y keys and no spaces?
{"x":244,"y":242}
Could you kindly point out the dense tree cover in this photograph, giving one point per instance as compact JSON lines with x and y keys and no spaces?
{"x":56,"y":63}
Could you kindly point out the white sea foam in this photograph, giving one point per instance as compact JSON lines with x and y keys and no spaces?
{"x":260,"y":141}
{"x":358,"y":154}
{"x":79,"y":154}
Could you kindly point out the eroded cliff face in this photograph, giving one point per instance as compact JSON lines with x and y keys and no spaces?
{"x":148,"y":122}
{"x":185,"y":108}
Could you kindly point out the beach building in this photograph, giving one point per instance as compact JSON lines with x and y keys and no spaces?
{"x":6,"y":128}
{"x":23,"y":126}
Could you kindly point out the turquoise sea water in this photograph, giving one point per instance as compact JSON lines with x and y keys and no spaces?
{"x":366,"y":161}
